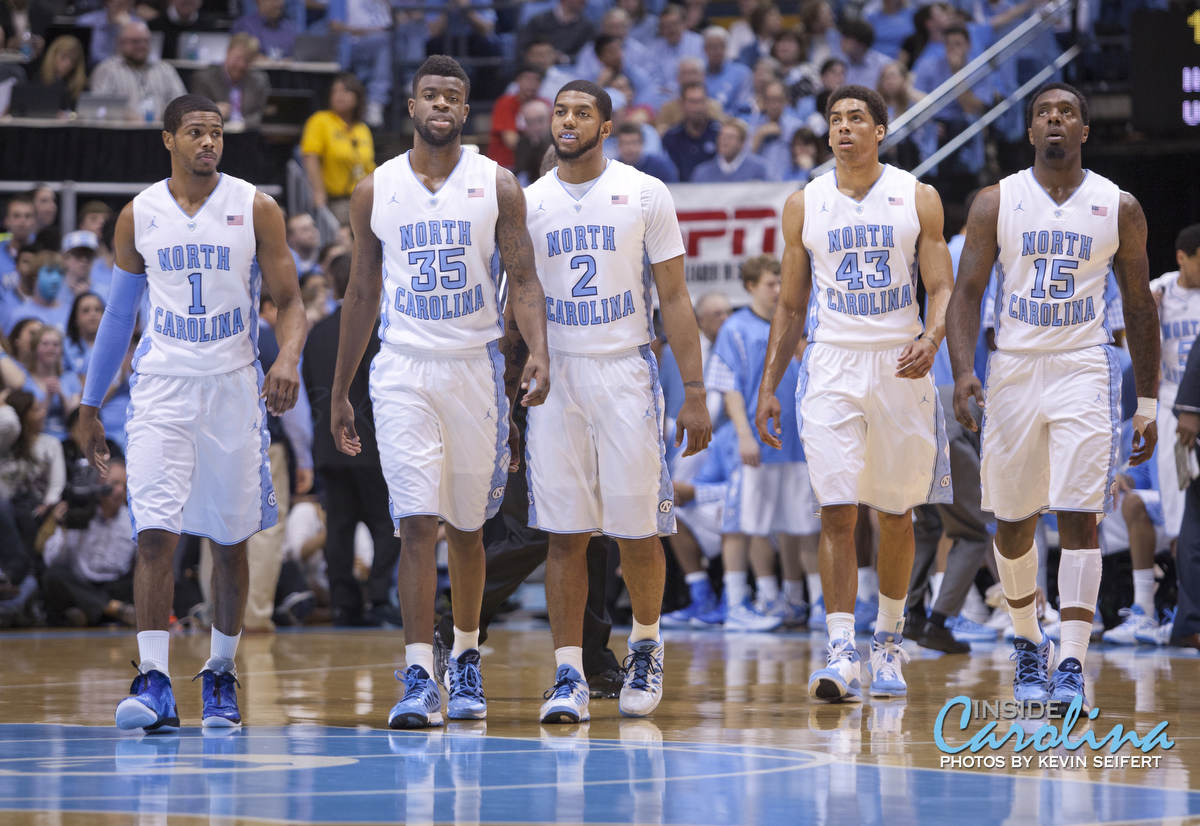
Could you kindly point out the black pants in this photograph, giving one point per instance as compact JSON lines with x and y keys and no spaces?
{"x":62,"y":588}
{"x":1187,"y":564}
{"x":353,"y":495}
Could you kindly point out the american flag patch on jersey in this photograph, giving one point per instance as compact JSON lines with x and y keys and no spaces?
{"x":1099,"y":210}
{"x":233,"y":220}
{"x":474,"y":192}
{"x":620,"y":199}
{"x":894,"y":201}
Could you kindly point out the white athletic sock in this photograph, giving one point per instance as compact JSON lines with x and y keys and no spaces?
{"x":153,"y":651}
{"x":221,"y":651}
{"x":1073,"y":640}
{"x":1143,"y":590}
{"x":1025,"y":622}
{"x":699,"y":576}
{"x":463,"y":641}
{"x":768,"y":589}
{"x":643,"y":632}
{"x":420,"y":653}
{"x":571,"y":655}
{"x":736,"y":589}
{"x":813,"y":581}
{"x":935,"y":585}
{"x":793,"y":591}
{"x":868,"y":584}
{"x":890,"y":619}
{"x":840,"y":624}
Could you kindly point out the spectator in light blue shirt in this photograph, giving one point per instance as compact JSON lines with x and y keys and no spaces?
{"x":631,"y":150}
{"x":276,"y":33}
{"x":863,"y":63}
{"x":732,"y":163}
{"x":634,"y":53}
{"x":672,"y":45}
{"x":893,"y":23}
{"x":963,"y":110}
{"x":727,"y":81}
{"x":774,"y":125}
{"x":805,"y":155}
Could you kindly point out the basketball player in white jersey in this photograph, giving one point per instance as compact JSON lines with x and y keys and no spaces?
{"x":197,"y":426}
{"x":868,"y":411}
{"x":428,"y":226}
{"x":1052,"y":421}
{"x":596,"y":455}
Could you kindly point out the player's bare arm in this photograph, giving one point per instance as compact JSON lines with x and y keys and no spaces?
{"x":282,"y":382}
{"x":359,"y":309}
{"x":525,"y":294}
{"x":937,"y":273}
{"x":787,"y":327}
{"x":679,"y":322}
{"x":962,"y":313}
{"x":1141,"y":320}
{"x":127,"y":258}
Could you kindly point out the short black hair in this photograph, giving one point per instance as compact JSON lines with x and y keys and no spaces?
{"x":186,"y":104}
{"x":530,"y":68}
{"x":630,"y":128}
{"x":1188,"y":240}
{"x":956,"y":28}
{"x":602,"y":41}
{"x":440,"y":65}
{"x":19,"y":198}
{"x":1048,"y":87}
{"x":603,"y":101}
{"x":830,"y":63}
{"x":873,"y":99}
{"x":859,"y":30}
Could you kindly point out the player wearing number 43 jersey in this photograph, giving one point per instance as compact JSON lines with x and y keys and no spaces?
{"x":1052,"y":421}
{"x":868,"y":412}
{"x":596,"y":455}
{"x":201,"y":242}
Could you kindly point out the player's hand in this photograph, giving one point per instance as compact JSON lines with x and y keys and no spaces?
{"x":95,"y":447}
{"x":281,"y":387}
{"x":748,"y":450}
{"x":916,"y":360}
{"x":693,"y":420}
{"x":341,"y":425}
{"x":769,"y":411}
{"x":304,"y":480}
{"x":1187,"y":428}
{"x":684,"y":492}
{"x":514,"y":445}
{"x":535,"y":379}
{"x":1145,"y":436}
{"x":964,"y":388}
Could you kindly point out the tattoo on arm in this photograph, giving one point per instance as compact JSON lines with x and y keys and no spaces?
{"x":525,"y":293}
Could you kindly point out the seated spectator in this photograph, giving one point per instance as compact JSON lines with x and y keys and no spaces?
{"x":275,"y":31}
{"x":304,"y":240}
{"x":366,"y":50}
{"x":45,"y":213}
{"x":896,"y":88}
{"x":148,"y":85}
{"x":631,"y":151}
{"x":337,"y":148}
{"x":615,"y":24}
{"x":643,"y":26}
{"x":892,"y":24}
{"x":239,"y":90}
{"x":106,"y":25}
{"x":791,"y":50}
{"x":13,"y":374}
{"x":732,"y":163}
{"x":24,"y":25}
{"x":956,"y":115}
{"x":37,"y":294}
{"x":695,"y":16}
{"x":542,"y":55}
{"x":626,"y":111}
{"x":690,"y":73}
{"x":79,"y":257}
{"x":467,"y":28}
{"x":533,"y":141}
{"x":89,"y":557}
{"x":86,"y":312}
{"x":20,"y":229}
{"x":505,"y":129}
{"x":59,"y":391}
{"x":673,"y":44}
{"x":180,"y":19}
{"x":863,"y":63}
{"x":929,"y":24}
{"x":740,"y":33}
{"x":765,"y":22}
{"x":97,"y":217}
{"x":772,"y":128}
{"x":694,"y":141}
{"x":564,"y":26}
{"x":32,"y":472}
{"x":727,"y":81}
{"x":61,"y":78}
{"x":805,"y":155}
{"x":812,"y":109}
{"x":820,"y":24}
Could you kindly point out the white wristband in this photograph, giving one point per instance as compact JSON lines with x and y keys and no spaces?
{"x":1147,"y":408}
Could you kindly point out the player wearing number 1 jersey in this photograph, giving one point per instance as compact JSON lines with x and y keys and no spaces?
{"x":1052,"y":422}
{"x":868,"y":412}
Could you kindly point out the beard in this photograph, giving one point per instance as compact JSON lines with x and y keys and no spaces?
{"x":579,"y":150}
{"x":436,"y":140}
{"x":1055,"y":153}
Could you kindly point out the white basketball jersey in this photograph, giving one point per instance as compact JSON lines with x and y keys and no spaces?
{"x":1179,"y":319}
{"x":1054,"y":260}
{"x":864,"y":261}
{"x":203,"y":280}
{"x":440,"y":269}
{"x":591,"y":257}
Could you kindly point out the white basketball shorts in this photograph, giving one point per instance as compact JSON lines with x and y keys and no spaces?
{"x":596,"y":457}
{"x":196,"y":458}
{"x":1050,"y":432}
{"x":869,"y":437}
{"x":770,"y":499}
{"x":441,"y":420}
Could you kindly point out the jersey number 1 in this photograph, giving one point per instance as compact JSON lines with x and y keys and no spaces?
{"x":197,"y":307}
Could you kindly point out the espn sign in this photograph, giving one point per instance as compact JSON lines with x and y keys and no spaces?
{"x":722,"y":225}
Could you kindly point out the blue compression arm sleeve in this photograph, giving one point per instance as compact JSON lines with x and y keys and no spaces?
{"x":116,"y":329}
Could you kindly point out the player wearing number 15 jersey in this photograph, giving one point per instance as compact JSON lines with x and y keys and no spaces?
{"x":869,"y":416}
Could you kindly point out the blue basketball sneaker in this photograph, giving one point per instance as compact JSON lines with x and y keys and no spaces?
{"x":1066,"y":683}
{"x":150,"y":704}
{"x":567,"y":700}
{"x":219,"y":694}
{"x":421,"y":706}
{"x":465,"y":684}
{"x":642,"y":691}
{"x":967,"y":630}
{"x":711,"y":616}
{"x":1032,"y":678}
{"x":840,"y":681}
{"x":703,"y":601}
{"x":884,"y":666}
{"x":865,"y":612}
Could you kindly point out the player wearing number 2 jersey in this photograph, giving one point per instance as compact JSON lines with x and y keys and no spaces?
{"x":1052,"y":421}
{"x":868,"y":413}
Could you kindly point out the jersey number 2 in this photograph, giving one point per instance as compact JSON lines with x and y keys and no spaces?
{"x":583,"y":287}
{"x":197,"y":307}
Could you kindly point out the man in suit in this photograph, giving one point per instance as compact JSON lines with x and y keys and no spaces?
{"x":238,"y":90}
{"x":353,"y":486}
